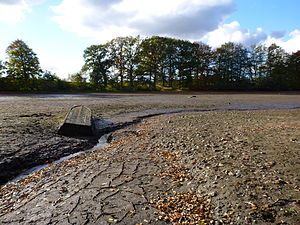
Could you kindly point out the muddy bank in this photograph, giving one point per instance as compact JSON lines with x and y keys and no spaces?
{"x":238,"y":167}
{"x":30,"y":140}
{"x":28,"y":123}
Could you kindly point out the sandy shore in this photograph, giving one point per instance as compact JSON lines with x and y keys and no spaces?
{"x":239,"y":167}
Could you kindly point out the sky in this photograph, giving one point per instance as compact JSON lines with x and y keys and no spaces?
{"x":59,"y":31}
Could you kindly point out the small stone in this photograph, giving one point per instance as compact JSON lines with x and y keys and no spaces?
{"x":218,"y":150}
{"x":64,"y":189}
{"x":213,"y":194}
{"x":111,"y":220}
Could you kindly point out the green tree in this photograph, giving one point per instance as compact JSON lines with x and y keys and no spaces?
{"x":48,"y":81}
{"x":78,"y":81}
{"x":23,"y":64}
{"x":2,"y":80}
{"x":276,"y":67}
{"x":97,"y":64}
{"x":131,"y":53}
{"x":186,"y":62}
{"x":170,"y":61}
{"x":202,"y":67}
{"x":293,"y":71}
{"x":2,"y":67}
{"x":258,"y":72}
{"x":49,"y":76}
{"x":161,"y":61}
{"x":116,"y":49}
{"x":231,"y":64}
{"x":152,"y":59}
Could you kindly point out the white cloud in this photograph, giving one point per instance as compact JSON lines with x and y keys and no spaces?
{"x":233,"y":32}
{"x":292,"y":44}
{"x":14,"y":11}
{"x":106,"y":19}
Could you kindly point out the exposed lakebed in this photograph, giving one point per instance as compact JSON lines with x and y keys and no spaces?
{"x":29,"y":122}
{"x":237,"y":166}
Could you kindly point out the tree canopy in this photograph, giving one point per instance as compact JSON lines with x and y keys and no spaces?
{"x":2,"y":67}
{"x":22,"y":66}
{"x":158,"y":63}
{"x":22,"y":62}
{"x":168,"y":63}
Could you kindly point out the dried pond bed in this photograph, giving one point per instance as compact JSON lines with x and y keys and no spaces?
{"x":29,"y":123}
{"x":243,"y":167}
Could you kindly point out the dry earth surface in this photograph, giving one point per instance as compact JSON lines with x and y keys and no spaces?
{"x":218,"y":165}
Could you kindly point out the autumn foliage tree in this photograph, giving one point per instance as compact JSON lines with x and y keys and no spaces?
{"x":23,"y":64}
{"x":160,"y":62}
{"x":97,"y":63}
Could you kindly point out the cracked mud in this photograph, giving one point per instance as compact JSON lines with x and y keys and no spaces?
{"x":239,"y":167}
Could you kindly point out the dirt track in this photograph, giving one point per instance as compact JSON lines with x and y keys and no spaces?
{"x":244,"y":165}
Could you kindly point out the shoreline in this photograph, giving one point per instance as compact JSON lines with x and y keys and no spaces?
{"x":12,"y":93}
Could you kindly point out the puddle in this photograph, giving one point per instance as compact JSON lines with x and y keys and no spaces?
{"x":101,"y":124}
{"x":262,"y":106}
{"x":101,"y":143}
{"x":64,"y":96}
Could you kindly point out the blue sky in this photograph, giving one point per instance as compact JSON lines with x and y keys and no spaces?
{"x":269,"y":14}
{"x":59,"y":30}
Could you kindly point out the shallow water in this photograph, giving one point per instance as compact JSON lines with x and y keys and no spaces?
{"x":62,"y":96}
{"x":263,"y":106}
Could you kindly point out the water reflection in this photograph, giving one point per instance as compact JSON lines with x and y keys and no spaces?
{"x":65,"y":96}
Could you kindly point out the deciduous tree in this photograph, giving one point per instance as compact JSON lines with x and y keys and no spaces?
{"x":97,"y":64}
{"x":22,"y":62}
{"x":22,"y":65}
{"x":2,"y":67}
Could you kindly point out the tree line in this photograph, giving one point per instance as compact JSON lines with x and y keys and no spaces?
{"x":158,"y":63}
{"x":167,"y":63}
